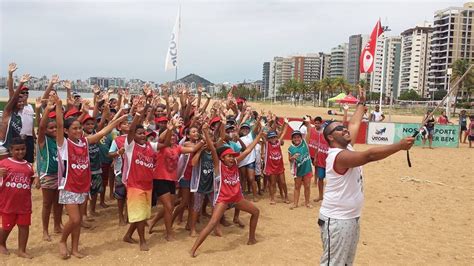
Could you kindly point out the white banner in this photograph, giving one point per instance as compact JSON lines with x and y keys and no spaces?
{"x":172,"y":54}
{"x":381,"y":133}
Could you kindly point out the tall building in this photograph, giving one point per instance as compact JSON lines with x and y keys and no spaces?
{"x":392,"y":52}
{"x":376,"y":75}
{"x":452,"y":39}
{"x":338,"y":63}
{"x":307,"y":69}
{"x":415,"y":59}
{"x":265,"y":78}
{"x":280,"y":72}
{"x":353,"y":55}
{"x":325,"y":64}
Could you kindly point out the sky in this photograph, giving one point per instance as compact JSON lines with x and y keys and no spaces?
{"x":225,"y":40}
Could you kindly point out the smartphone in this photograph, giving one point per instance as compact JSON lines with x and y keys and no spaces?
{"x":415,"y":133}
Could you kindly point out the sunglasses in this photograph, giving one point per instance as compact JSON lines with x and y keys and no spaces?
{"x":25,"y":92}
{"x":337,"y":128}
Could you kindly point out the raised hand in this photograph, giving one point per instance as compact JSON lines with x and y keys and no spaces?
{"x":67,"y":84}
{"x":25,"y":78}
{"x":96,"y":89}
{"x":362,"y":93}
{"x":110,"y":90}
{"x":12,"y":68}
{"x":286,"y":120}
{"x":345,"y":107}
{"x":407,"y":143}
{"x":54,"y":79}
{"x":205,"y":126}
{"x":52,"y":103}
{"x":199,"y":89}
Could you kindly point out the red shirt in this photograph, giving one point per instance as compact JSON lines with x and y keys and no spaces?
{"x":273,"y":159}
{"x":167,"y":161}
{"x":323,"y":148}
{"x":188,"y":172}
{"x":139,"y":165}
{"x":313,"y":142}
{"x":229,"y":188}
{"x":442,"y":120}
{"x":74,"y":166}
{"x":15,"y":187}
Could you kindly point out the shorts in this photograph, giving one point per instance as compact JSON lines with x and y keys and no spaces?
{"x":138,"y":204}
{"x":120,"y":191}
{"x":30,"y":149}
{"x":9,"y":220}
{"x":199,"y":199}
{"x":249,"y":166}
{"x":321,"y":172}
{"x":96,"y":184}
{"x":463,"y":128}
{"x":68,"y":197}
{"x":430,"y":131}
{"x":161,"y":187}
{"x":470,"y":138}
{"x":183,"y":183}
{"x":105,"y":173}
{"x":49,"y":181}
{"x":339,"y":239}
{"x":310,"y":174}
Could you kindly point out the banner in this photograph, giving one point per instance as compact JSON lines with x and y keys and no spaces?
{"x":443,"y":136}
{"x":172,"y":54}
{"x":366,"y":60}
{"x":381,"y":133}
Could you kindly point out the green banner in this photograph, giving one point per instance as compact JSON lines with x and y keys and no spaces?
{"x":443,"y":136}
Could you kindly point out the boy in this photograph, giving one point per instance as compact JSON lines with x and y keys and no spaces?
{"x":16,"y":176}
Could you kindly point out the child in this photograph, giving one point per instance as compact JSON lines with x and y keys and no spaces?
{"x":201,"y":183}
{"x":74,"y":174}
{"x":471,"y":130}
{"x":300,"y":160}
{"x":47,"y":163}
{"x":319,"y":162}
{"x":139,"y":165}
{"x":227,"y":188}
{"x":274,"y":162}
{"x":16,"y":176}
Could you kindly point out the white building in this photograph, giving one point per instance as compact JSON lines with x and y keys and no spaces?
{"x":415,"y":59}
{"x":280,"y":72}
{"x":338,"y":64}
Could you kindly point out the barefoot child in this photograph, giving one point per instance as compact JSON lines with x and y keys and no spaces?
{"x":300,"y":160}
{"x":16,"y":176}
{"x":139,"y":165}
{"x":228,"y":189}
{"x":74,"y":174}
{"x":320,"y":156}
{"x":274,"y":166}
{"x":47,"y":163}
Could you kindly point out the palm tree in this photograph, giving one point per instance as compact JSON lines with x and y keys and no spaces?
{"x":342,"y":84}
{"x":460,"y":67}
{"x":327,"y":86}
{"x":315,"y":87}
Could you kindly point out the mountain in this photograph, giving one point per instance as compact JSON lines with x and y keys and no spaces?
{"x":194,"y":78}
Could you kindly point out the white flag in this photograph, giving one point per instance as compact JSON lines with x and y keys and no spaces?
{"x":172,"y":55}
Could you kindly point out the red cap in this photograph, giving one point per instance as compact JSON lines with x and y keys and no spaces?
{"x":72,"y":112}
{"x":214,"y":120}
{"x":148,"y":133}
{"x":52,"y":115}
{"x":24,"y":88}
{"x":85,"y":118}
{"x":161,"y":119}
{"x":229,"y":151}
{"x":240,"y":100}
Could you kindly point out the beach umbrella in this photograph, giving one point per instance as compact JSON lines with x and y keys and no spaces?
{"x":349,"y":99}
{"x":337,"y":97}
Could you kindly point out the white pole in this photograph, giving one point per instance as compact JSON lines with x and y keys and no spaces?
{"x":382,"y":74}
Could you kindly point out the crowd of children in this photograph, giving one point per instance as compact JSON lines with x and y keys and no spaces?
{"x":165,"y":146}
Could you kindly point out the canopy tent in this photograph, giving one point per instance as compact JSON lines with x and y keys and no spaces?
{"x":337,"y":97}
{"x":349,"y":99}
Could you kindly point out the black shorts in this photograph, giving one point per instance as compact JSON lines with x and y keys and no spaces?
{"x":161,"y":187}
{"x":463,"y":128}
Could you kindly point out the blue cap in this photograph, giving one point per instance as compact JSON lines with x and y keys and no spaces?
{"x":272,"y":134}
{"x":296,"y":132}
{"x":245,"y":125}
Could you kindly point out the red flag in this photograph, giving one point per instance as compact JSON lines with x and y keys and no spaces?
{"x":366,"y":61}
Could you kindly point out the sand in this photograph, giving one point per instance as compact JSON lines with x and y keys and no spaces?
{"x":419,"y":215}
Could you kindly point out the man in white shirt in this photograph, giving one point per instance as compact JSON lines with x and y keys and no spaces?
{"x":377,"y":115}
{"x":343,"y":196}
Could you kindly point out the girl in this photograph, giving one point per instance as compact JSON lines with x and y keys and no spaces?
{"x":74,"y":174}
{"x":274,"y":166}
{"x":429,"y":125}
{"x":47,"y":164}
{"x":165,"y":178}
{"x":300,"y":160}
{"x":227,"y":188}
{"x":184,"y":181}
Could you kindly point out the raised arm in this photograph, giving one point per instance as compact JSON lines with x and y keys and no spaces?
{"x":106,"y":130}
{"x":192,"y":149}
{"x":11,"y":68}
{"x":212,"y":148}
{"x":348,"y":159}
{"x":307,"y":123}
{"x":282,"y":133}
{"x":16,"y":95}
{"x":54,"y":79}
{"x":206,"y":103}
{"x":59,"y":122}
{"x":137,"y":119}
{"x":44,"y":120}
{"x":197,"y":156}
{"x":249,"y":148}
{"x":356,"y":119}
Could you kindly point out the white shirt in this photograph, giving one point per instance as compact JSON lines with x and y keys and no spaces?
{"x":247,"y":140}
{"x":377,"y":116}
{"x":343,"y":194}
{"x":27,"y":115}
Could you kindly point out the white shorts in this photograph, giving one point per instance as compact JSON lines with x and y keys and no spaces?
{"x":340,"y":238}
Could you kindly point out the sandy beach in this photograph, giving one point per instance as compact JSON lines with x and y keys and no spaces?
{"x":420,"y":215}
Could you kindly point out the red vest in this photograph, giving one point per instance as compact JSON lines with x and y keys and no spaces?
{"x":273,"y":159}
{"x":229,"y":190}
{"x":76,"y":174}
